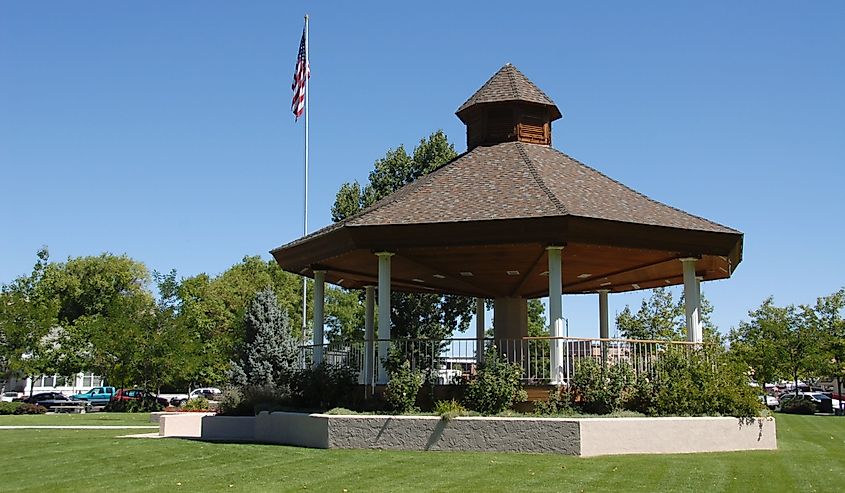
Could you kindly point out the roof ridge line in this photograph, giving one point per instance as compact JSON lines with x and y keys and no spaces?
{"x":512,"y":81}
{"x":536,"y":175}
{"x":644,"y":195}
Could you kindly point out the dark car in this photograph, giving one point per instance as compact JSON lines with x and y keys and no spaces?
{"x":49,"y":399}
{"x":137,"y":395}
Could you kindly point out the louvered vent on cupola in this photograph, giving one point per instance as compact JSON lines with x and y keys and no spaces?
{"x":507,"y":108}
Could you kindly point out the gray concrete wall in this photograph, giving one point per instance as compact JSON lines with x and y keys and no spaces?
{"x":586,"y":436}
{"x":228,"y":428}
{"x":467,"y":433}
{"x":614,"y":436}
{"x":303,"y":430}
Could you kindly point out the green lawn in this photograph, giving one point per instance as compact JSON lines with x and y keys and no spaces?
{"x":100,"y":419}
{"x":811,"y":457}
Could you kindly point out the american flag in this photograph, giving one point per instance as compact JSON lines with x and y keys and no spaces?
{"x":300,"y":76}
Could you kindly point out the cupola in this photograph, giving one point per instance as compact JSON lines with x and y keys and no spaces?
{"x":508,"y":108}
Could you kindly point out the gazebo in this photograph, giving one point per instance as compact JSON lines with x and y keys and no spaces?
{"x":511,"y":219}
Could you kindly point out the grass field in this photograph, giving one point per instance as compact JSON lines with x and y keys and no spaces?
{"x":811,"y":457}
{"x":100,"y":419}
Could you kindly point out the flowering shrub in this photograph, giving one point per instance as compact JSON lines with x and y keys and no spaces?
{"x":402,"y":388}
{"x":497,"y":386}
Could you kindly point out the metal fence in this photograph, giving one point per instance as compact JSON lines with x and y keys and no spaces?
{"x":456,"y":360}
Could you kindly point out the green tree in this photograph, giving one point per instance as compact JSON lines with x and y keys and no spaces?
{"x":779,"y":342}
{"x":212,"y":311}
{"x":660,"y":317}
{"x":827,"y":318}
{"x":425,"y":316}
{"x":27,"y":323}
{"x":269,"y":355}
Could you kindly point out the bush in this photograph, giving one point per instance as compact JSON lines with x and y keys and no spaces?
{"x":449,"y":409}
{"x":196,"y":404}
{"x":21,"y":408}
{"x":602,"y":390}
{"x":325,"y":386}
{"x":145,"y":405}
{"x":252,"y":399}
{"x":703,"y":382}
{"x":798,"y":406}
{"x":642,"y":397}
{"x":558,"y":402}
{"x":402,"y":388}
{"x":497,"y":386}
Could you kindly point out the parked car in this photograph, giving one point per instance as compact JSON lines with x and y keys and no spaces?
{"x":10,"y":396}
{"x":137,"y":394}
{"x":98,"y":396}
{"x":210,"y":393}
{"x":770,"y":401}
{"x":48,"y":399}
{"x":823,"y":402}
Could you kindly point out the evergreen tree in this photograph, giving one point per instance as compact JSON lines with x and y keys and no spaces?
{"x":269,"y":354}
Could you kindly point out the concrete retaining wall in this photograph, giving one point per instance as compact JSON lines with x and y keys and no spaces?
{"x":614,"y":436}
{"x":586,"y":437}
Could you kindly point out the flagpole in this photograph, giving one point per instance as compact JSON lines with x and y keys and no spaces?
{"x":305,"y":208}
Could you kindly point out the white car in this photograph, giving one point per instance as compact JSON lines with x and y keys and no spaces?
{"x":770,"y":401}
{"x":10,"y":396}
{"x":210,"y":393}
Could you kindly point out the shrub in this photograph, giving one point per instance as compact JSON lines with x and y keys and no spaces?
{"x":196,"y":404}
{"x":21,"y":408}
{"x":145,"y":405}
{"x":402,"y":388}
{"x":798,"y":406}
{"x":602,"y":389}
{"x":252,"y":399}
{"x":27,"y":408}
{"x":449,"y":409}
{"x":642,"y":396}
{"x":703,"y":382}
{"x":325,"y":386}
{"x":558,"y":402}
{"x":497,"y":386}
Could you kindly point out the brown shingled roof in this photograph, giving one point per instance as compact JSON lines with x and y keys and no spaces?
{"x":509,"y":84}
{"x":513,"y":180}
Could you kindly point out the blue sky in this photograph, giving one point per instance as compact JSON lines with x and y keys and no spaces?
{"x":162,"y":129}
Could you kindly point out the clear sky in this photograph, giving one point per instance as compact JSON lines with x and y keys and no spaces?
{"x":162,"y":129}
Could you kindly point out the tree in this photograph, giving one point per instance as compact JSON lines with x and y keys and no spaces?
{"x":27,"y":317}
{"x":413,"y":316}
{"x":269,"y":354}
{"x":779,"y":342}
{"x":827,"y":318}
{"x":660,"y":317}
{"x":212,"y":310}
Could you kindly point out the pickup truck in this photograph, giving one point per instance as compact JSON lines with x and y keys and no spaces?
{"x":98,"y":396}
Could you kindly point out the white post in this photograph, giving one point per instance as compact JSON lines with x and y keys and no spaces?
{"x":383,"y":313}
{"x":479,"y":330}
{"x":692,"y":301}
{"x":603,"y":323}
{"x":369,"y":318}
{"x":319,"y":319}
{"x":556,"y":313}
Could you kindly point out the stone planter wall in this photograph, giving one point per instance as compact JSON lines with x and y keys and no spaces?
{"x":585,"y":436}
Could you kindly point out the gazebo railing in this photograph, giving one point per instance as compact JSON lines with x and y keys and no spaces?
{"x":455,"y":360}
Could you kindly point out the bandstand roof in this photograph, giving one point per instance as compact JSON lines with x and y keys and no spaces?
{"x":479,"y":225}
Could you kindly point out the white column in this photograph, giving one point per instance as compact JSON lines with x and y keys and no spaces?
{"x":319,"y":319}
{"x":692,"y":301}
{"x":479,"y":329}
{"x":603,"y":322}
{"x":604,"y":332}
{"x":369,"y":318}
{"x":556,"y":367}
{"x":383,"y":312}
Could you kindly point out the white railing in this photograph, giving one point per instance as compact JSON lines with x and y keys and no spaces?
{"x":456,"y":360}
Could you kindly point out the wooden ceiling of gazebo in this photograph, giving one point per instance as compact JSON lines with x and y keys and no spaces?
{"x":479,"y":225}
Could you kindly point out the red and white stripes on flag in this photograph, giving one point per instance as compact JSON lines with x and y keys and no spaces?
{"x":300,"y":76}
